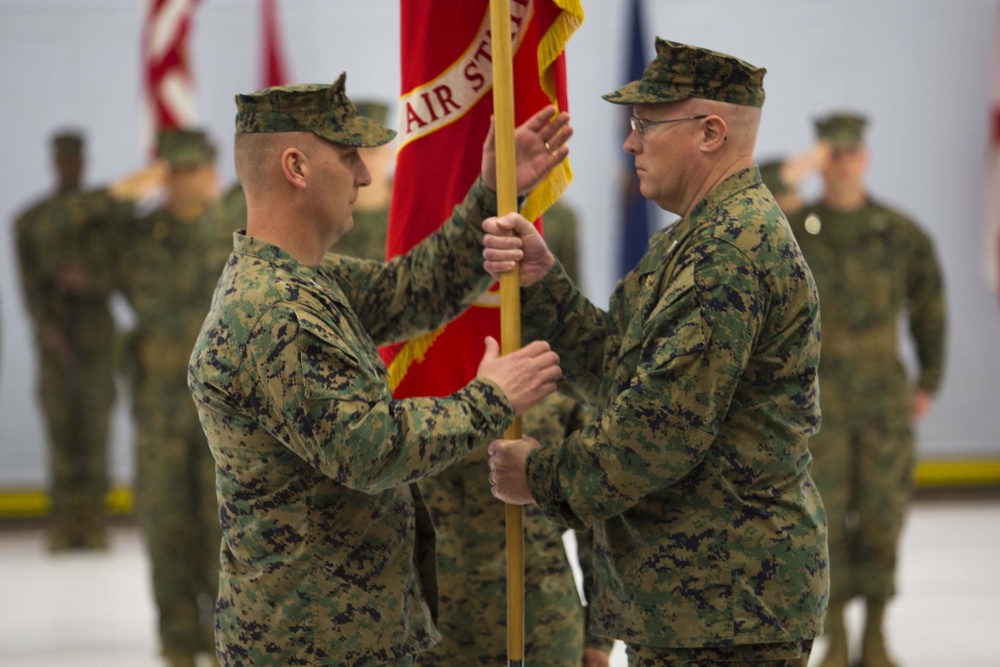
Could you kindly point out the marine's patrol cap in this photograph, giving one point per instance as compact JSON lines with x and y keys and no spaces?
{"x":184,"y":148}
{"x":66,"y":144}
{"x":680,"y":72}
{"x":841,"y":130}
{"x":321,"y":109}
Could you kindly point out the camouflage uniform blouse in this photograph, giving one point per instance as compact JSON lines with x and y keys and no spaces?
{"x":873,"y":265}
{"x":314,"y":455}
{"x":709,"y":529}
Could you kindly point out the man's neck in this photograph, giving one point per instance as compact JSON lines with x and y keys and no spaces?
{"x":299,"y":241}
{"x":718,"y":174}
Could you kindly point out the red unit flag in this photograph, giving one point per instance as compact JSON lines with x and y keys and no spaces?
{"x":444,"y":115}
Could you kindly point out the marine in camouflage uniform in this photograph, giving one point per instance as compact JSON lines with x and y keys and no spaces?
{"x":64,"y":272}
{"x":169,"y":265}
{"x":710,"y":534}
{"x":873,"y":266}
{"x":471,"y":541}
{"x":327,"y":554}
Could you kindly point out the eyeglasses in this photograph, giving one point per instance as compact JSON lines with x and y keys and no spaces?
{"x":640,"y":125}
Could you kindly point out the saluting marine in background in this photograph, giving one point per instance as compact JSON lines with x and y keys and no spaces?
{"x":872,"y":266}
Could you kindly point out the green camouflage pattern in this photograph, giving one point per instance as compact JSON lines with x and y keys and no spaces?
{"x":708,"y":529}
{"x":470,"y":524}
{"x":367,"y":238}
{"x":373,"y":110}
{"x":324,"y":110}
{"x":872,"y":266}
{"x":844,"y":130}
{"x":680,"y":72}
{"x":68,"y":232}
{"x":471,"y":538}
{"x":168,"y":269}
{"x":185,"y":148}
{"x":471,"y":562}
{"x":782,"y":654}
{"x":559,"y":229}
{"x":327,"y":554}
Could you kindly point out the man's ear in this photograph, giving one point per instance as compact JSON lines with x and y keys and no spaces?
{"x":294,"y":167}
{"x":714,"y":132}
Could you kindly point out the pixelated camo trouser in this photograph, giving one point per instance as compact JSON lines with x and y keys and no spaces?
{"x":76,"y":403}
{"x":864,"y":474}
{"x":791,"y":654}
{"x":177,"y":507}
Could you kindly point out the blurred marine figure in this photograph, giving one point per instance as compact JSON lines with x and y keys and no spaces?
{"x":169,"y":262}
{"x":64,"y":262}
{"x":873,"y":266}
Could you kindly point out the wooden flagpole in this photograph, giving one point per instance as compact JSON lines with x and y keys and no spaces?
{"x":510,"y":301}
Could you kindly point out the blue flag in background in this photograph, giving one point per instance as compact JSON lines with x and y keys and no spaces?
{"x":635,"y":208}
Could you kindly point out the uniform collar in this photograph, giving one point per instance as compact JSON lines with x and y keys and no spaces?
{"x":674,"y":235}
{"x":285,"y":262}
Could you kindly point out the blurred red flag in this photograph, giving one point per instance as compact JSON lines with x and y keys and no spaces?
{"x":273,"y":69}
{"x":444,"y":115}
{"x":992,"y":245}
{"x":168,"y":81}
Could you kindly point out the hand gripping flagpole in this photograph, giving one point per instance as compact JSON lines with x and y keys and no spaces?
{"x":510,"y":301}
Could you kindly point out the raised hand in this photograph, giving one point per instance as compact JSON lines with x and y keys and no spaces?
{"x":540,"y":144}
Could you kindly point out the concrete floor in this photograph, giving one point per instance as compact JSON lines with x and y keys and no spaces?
{"x":96,"y":610}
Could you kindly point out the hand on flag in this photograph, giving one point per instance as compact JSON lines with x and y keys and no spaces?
{"x":508,"y":470}
{"x":525,"y":376}
{"x":511,"y":239}
{"x":540,"y":145}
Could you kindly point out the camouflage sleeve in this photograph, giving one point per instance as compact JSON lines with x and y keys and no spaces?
{"x":928,"y":325}
{"x":559,"y":225}
{"x":105,"y":220}
{"x":328,"y":406}
{"x":431,"y":284}
{"x":556,"y":311}
{"x":696,"y":344}
{"x":37,"y":278}
{"x":585,"y":555}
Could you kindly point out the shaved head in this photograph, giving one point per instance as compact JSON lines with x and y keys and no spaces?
{"x":742,"y":121}
{"x":257,"y":156}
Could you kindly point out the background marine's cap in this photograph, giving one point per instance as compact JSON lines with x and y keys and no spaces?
{"x":321,"y":109}
{"x":373,"y":110}
{"x":67,"y":144}
{"x":184,"y":148}
{"x":841,"y":130}
{"x":680,"y":72}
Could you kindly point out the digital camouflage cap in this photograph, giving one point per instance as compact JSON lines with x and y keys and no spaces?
{"x":841,"y":130}
{"x":322,"y":109}
{"x":680,"y":72}
{"x":65,"y":144}
{"x":184,"y":148}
